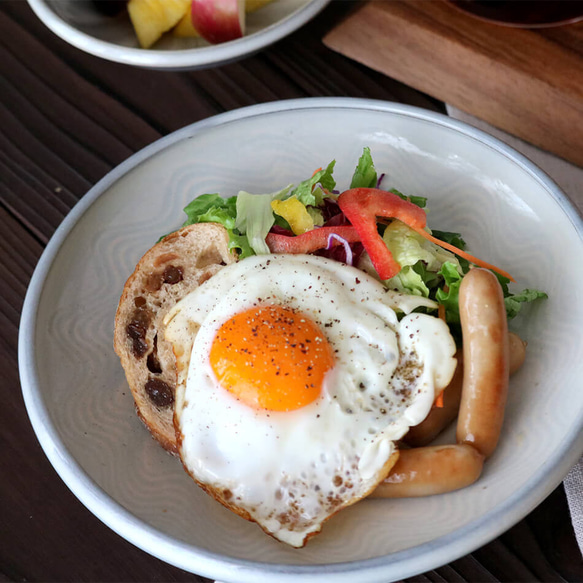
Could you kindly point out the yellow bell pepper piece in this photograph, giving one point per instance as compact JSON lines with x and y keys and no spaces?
{"x":295,"y":213}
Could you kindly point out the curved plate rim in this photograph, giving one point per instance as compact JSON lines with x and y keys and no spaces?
{"x":398,"y":565}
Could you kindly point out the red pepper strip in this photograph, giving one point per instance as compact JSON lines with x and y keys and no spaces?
{"x":463,"y":254}
{"x":310,"y":241}
{"x":362,"y":206}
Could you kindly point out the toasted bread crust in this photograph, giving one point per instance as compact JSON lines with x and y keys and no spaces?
{"x":165,"y":274}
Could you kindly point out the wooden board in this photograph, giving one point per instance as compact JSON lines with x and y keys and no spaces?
{"x":526,"y":82}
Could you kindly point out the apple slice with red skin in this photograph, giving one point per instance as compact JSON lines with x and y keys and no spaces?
{"x":219,"y":21}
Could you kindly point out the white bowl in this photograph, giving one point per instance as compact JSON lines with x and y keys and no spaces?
{"x":75,"y":392}
{"x":79,"y":23}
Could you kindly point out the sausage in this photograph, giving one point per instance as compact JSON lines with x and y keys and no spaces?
{"x":439,"y":417}
{"x":486,"y":369}
{"x":517,"y":352}
{"x":425,"y":471}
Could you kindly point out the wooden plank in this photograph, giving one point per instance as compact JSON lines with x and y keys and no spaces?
{"x":526,"y":82}
{"x":67,"y":97}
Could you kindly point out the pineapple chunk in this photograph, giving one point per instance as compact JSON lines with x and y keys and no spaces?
{"x":185,"y":28}
{"x":152,"y":18}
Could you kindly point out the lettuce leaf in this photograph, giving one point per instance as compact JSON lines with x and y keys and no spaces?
{"x":240,"y":244}
{"x":410,"y":281}
{"x":211,"y":208}
{"x":317,"y":216}
{"x":454,"y":239}
{"x":254,"y":217}
{"x":309,"y":192}
{"x":450,"y":298}
{"x":420,"y":260}
{"x":218,"y":215}
{"x":420,"y":201}
{"x":365,"y":174}
{"x":514,"y":303}
{"x":408,"y":247}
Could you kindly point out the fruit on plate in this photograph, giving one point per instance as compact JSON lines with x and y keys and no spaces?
{"x":219,"y":21}
{"x":214,"y":20}
{"x":185,"y":28}
{"x":152,"y":18}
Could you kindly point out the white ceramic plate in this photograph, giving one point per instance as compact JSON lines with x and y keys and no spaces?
{"x":113,"y":38}
{"x":78,"y":402}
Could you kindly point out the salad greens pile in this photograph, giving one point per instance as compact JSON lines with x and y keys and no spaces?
{"x":426,"y":269}
{"x":249,"y":217}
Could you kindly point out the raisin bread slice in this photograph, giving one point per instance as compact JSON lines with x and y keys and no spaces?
{"x":165,"y":274}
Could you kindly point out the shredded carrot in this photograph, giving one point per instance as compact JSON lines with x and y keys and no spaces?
{"x":439,"y":401}
{"x":316,"y":171}
{"x":463,"y":254}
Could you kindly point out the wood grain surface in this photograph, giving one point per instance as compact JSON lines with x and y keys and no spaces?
{"x":66,"y":119}
{"x":526,"y":82}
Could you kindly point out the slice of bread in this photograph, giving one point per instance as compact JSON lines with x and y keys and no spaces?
{"x":164,"y":275}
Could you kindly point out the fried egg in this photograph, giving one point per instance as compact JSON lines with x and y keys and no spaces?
{"x":296,"y":376}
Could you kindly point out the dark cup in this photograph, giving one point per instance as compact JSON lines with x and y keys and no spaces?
{"x":524,"y":13}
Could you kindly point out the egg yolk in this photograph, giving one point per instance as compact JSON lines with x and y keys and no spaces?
{"x":271,"y":358}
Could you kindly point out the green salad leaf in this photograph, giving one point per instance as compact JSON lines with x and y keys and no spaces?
{"x":255,"y":217}
{"x":420,"y":201}
{"x":309,"y":192}
{"x":420,"y":260}
{"x":365,"y":174}
{"x":240,"y":244}
{"x":515,"y":302}
{"x":454,"y":239}
{"x":213,"y":208}
{"x":450,"y":298}
{"x":512,"y":302}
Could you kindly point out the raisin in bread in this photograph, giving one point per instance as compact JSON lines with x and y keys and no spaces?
{"x":165,"y":274}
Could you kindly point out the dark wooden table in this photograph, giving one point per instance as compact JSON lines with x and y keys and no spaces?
{"x":66,"y":119}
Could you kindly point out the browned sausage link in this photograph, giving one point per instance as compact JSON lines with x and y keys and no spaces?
{"x":517,"y":352}
{"x":436,"y":469}
{"x":439,"y":417}
{"x":485,"y":340}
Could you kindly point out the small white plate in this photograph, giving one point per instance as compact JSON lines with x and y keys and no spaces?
{"x":511,"y":215}
{"x":113,"y":38}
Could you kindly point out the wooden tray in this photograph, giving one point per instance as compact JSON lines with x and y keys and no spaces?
{"x":526,"y":82}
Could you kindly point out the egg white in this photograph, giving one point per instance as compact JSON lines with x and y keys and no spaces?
{"x":290,"y":471}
